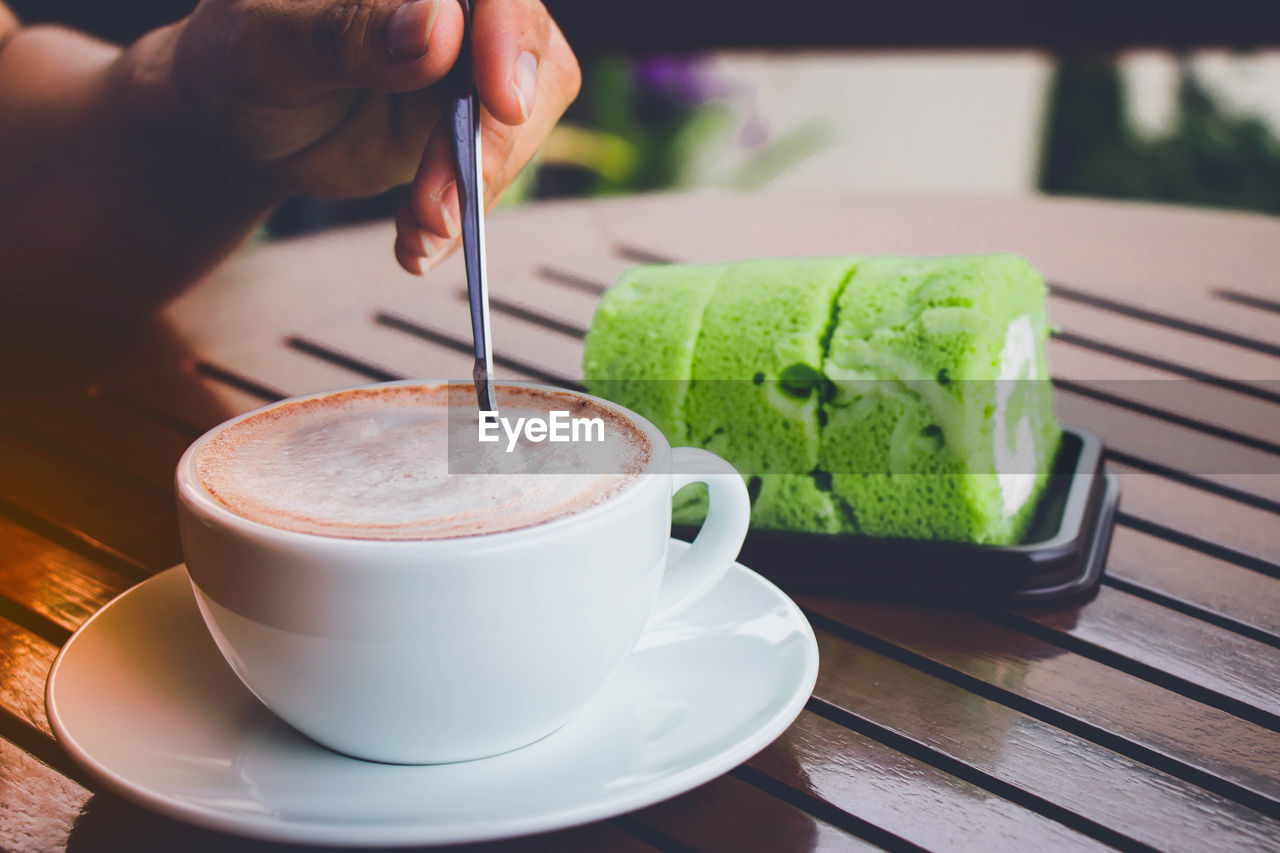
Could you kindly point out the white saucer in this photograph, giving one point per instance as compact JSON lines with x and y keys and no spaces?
{"x":141,"y":698}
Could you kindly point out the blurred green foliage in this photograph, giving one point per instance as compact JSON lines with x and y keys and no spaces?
{"x":628,"y":132}
{"x":1210,"y":157}
{"x":647,"y":123}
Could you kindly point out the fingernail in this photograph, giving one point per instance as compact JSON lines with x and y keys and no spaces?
{"x":524,"y":82}
{"x":409,"y":28}
{"x":429,"y":247}
{"x":439,"y":253}
{"x":446,"y":210}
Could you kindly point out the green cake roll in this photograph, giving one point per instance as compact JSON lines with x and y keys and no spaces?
{"x":886,"y":396}
{"x":639,"y":349}
{"x":941,"y":424}
{"x":760,"y":352}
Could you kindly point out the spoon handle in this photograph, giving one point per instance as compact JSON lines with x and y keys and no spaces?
{"x":465,"y":115}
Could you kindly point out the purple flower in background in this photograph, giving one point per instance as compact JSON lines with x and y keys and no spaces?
{"x":682,"y":80}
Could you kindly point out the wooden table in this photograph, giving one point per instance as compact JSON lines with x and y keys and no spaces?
{"x":1147,"y":717}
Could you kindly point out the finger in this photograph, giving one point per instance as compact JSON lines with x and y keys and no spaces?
{"x":408,"y":248}
{"x":315,"y":46}
{"x":558,"y":85}
{"x":408,"y":263}
{"x":505,"y":149}
{"x":433,"y":195}
{"x":413,"y":246}
{"x":509,"y":38}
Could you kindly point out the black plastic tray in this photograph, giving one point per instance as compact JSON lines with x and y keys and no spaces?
{"x":1062,"y":556}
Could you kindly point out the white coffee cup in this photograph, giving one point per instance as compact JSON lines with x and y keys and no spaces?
{"x":441,"y":650}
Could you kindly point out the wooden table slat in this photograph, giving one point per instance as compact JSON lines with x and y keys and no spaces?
{"x":970,"y":735}
{"x":140,"y":526}
{"x":288,"y":370}
{"x":141,"y":448}
{"x":52,"y":581}
{"x":1197,"y":512}
{"x":25,"y":659}
{"x":506,"y":366}
{"x":406,"y":355}
{"x":905,"y":796}
{"x":110,"y":824}
{"x":729,"y":815}
{"x":186,"y":400}
{"x":1220,"y":408}
{"x":409,"y":355}
{"x":1156,"y":320}
{"x":38,"y":805}
{"x":1218,"y":661}
{"x":1069,"y":689}
{"x":1266,"y":390}
{"x":529,"y":341}
{"x":1249,"y":470}
{"x":1217,"y":586}
{"x":1213,"y":356}
{"x":1263,"y":301}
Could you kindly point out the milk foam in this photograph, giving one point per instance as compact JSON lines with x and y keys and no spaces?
{"x":376,"y":464}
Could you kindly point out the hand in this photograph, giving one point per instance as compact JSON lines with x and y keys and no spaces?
{"x":335,"y":98}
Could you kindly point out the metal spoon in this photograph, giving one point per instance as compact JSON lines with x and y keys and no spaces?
{"x":467,"y":166}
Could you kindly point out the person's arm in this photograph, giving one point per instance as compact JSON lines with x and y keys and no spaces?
{"x":125,"y":174}
{"x":104,"y":203}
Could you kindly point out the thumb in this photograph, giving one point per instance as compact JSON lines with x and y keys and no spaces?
{"x":384,"y":45}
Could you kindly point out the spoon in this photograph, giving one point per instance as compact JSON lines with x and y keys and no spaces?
{"x":465,"y":115}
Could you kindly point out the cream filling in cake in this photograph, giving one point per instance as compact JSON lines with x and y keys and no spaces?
{"x":1016,"y":459}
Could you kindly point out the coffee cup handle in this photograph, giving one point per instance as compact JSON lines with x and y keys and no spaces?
{"x":717,"y":544}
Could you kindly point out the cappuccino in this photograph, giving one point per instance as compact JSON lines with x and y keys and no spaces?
{"x":403,"y":462}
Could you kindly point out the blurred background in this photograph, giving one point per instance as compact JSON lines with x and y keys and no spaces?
{"x":1136,"y":100}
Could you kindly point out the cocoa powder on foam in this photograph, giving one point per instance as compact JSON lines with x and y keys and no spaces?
{"x":541,"y":497}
